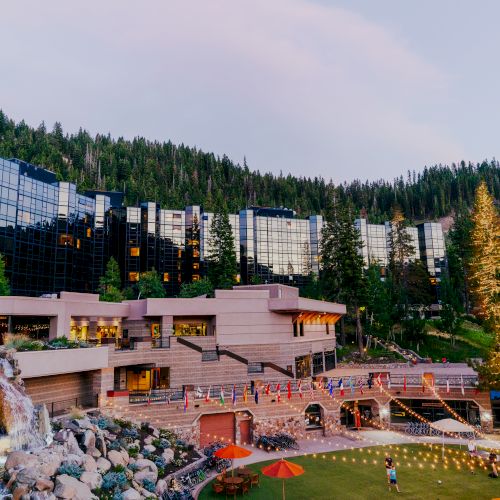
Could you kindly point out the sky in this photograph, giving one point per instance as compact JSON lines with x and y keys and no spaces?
{"x":364,"y":89}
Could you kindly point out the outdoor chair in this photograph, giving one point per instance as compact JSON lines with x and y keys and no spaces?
{"x":231,"y":489}
{"x":245,"y":486}
{"x":217,"y":487}
{"x":255,"y":480}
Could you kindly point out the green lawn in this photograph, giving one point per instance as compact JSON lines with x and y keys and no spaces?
{"x":346,"y":475}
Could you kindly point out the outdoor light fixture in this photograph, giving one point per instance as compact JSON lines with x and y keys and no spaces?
{"x":384,"y":412}
{"x":486,"y":415}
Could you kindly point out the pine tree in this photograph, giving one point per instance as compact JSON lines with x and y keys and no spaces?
{"x":150,"y":286}
{"x":342,"y":274}
{"x":484,"y":268}
{"x":110,"y":283}
{"x":4,"y":282}
{"x":484,"y":263}
{"x":222,"y":264}
{"x":378,"y":302}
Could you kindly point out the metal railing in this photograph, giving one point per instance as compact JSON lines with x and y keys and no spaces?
{"x":56,"y":408}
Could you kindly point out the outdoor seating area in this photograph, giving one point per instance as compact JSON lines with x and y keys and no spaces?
{"x":236,"y":482}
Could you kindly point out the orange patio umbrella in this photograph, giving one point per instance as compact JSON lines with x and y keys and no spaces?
{"x":283,"y":469}
{"x":231,"y":452}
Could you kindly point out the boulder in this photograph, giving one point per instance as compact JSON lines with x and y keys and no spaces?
{"x":168,"y":455}
{"x":84,"y":423}
{"x":28,"y":476}
{"x":100,"y":442}
{"x":116,"y":458}
{"x":149,"y":440}
{"x":72,"y":445}
{"x":88,"y":440}
{"x":144,"y":463}
{"x":92,"y":479}
{"x":44,"y":484}
{"x":17,"y":458}
{"x":150,"y":448}
{"x":103,"y":465}
{"x":145,"y":474}
{"x":19,"y":492}
{"x":48,"y":463}
{"x":161,"y":487}
{"x":94,"y":452}
{"x":73,"y":459}
{"x":42,"y":495}
{"x":89,"y":464}
{"x":155,"y":432}
{"x":131,"y":494}
{"x":125,"y":456}
{"x":70,"y":487}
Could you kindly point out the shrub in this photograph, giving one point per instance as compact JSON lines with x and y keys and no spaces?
{"x":114,"y":480}
{"x":118,"y":468}
{"x":178,"y":462}
{"x":133,"y":467}
{"x":22,"y":342}
{"x":161,"y":472}
{"x":123,"y":423}
{"x":62,"y":343}
{"x":131,"y":433}
{"x":145,"y":426}
{"x":72,"y":470}
{"x":133,"y":451}
{"x":146,"y":453}
{"x":149,"y":485}
{"x":76,"y":413}
{"x":160,"y":462}
{"x":114,"y":445}
{"x":102,"y":423}
{"x":56,"y":426}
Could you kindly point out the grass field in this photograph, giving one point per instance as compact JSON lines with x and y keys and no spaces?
{"x":353,"y":475}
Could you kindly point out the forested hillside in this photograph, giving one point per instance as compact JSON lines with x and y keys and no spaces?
{"x":178,"y":175}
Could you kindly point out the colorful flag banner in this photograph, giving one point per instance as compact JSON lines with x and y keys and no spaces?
{"x":233,"y":395}
{"x":462,"y":385}
{"x":221,"y":398}
{"x":361,"y":386}
{"x":404,"y":383}
{"x":299,"y":386}
{"x":245,"y":393}
{"x":341,"y":386}
{"x":278,"y":392}
{"x":351,"y":384}
{"x":256,"y":396}
{"x":207,"y":398}
{"x":447,"y":386}
{"x":268,"y":389}
{"x":388,"y":381}
{"x":289,"y":390}
{"x":186,"y":401}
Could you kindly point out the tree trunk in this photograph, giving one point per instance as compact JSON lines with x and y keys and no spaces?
{"x":342,"y":332}
{"x":359,"y":331}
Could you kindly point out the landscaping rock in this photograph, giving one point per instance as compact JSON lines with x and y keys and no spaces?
{"x":116,"y":458}
{"x":155,"y":432}
{"x":44,"y":484}
{"x":69,"y":487}
{"x":89,"y":464}
{"x":150,"y":448}
{"x":73,"y":459}
{"x":28,"y":476}
{"x":149,"y":440}
{"x":92,"y":479}
{"x":103,"y":465}
{"x":161,"y":487}
{"x":94,"y":452}
{"x":144,"y":463}
{"x":88,"y":440}
{"x":48,"y":463}
{"x":168,"y":455}
{"x":145,"y":474}
{"x":17,"y":458}
{"x":42,"y":495}
{"x":84,"y":423}
{"x":19,"y":492}
{"x":72,"y":445}
{"x":131,"y":494}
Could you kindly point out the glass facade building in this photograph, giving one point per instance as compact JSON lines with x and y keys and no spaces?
{"x":54,"y":238}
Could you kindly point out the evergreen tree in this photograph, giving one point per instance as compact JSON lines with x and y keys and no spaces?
{"x":485,"y":275}
{"x":4,"y":282}
{"x":378,"y":302}
{"x":458,"y":252}
{"x":485,"y":256}
{"x":110,"y":283}
{"x":451,"y":307}
{"x":150,"y":286}
{"x":222,"y":264}
{"x":342,"y":263}
{"x":196,"y":289}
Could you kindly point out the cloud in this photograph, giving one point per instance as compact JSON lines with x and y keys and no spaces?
{"x":295,"y":86}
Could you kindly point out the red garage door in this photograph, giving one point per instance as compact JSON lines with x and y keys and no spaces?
{"x":217,"y":427}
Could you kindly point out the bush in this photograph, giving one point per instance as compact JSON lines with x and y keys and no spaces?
{"x":145,"y":427}
{"x":131,"y":433}
{"x":125,"y":424}
{"x":133,"y":451}
{"x":22,"y":342}
{"x":72,"y":470}
{"x":76,"y":413}
{"x":133,"y":467}
{"x":114,"y":480}
{"x":102,"y":423}
{"x":118,"y":468}
{"x":160,"y":462}
{"x":149,"y":485}
{"x":114,"y":445}
{"x":146,"y":453}
{"x":161,"y":472}
{"x":62,"y":343}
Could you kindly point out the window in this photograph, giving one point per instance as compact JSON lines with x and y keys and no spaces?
{"x":166,"y":277}
{"x":196,"y":277}
{"x":301,"y":329}
{"x":295,"y":333}
{"x":329,"y":360}
{"x":65,"y":240}
{"x":133,"y":276}
{"x":78,"y":244}
{"x":303,"y":366}
{"x":179,"y":253}
{"x":190,"y":329}
{"x":317,"y":363}
{"x":89,"y":232}
{"x":135,"y":252}
{"x":196,"y":265}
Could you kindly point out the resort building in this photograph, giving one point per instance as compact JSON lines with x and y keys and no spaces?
{"x":55,"y":239}
{"x":249,"y":361}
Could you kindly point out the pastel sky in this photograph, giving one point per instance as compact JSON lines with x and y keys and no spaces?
{"x":344,"y":89}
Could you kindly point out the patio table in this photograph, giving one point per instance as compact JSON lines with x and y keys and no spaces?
{"x":233,"y":480}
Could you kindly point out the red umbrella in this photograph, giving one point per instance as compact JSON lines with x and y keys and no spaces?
{"x":283,"y":469}
{"x":232,"y":451}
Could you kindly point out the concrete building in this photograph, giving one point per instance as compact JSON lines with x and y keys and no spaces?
{"x":147,"y":356}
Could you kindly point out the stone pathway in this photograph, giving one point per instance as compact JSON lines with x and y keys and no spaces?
{"x":365,"y":438}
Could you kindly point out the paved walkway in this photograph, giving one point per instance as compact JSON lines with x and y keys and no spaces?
{"x":361,"y":439}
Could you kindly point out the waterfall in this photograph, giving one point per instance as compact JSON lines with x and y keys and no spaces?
{"x":24,"y":427}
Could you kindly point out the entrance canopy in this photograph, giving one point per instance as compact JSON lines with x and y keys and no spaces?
{"x":450,"y":425}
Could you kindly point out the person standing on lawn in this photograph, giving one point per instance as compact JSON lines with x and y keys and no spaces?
{"x":388,"y":466}
{"x":393,"y":480}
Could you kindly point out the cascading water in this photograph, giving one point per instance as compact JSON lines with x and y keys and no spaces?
{"x":23,"y":426}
